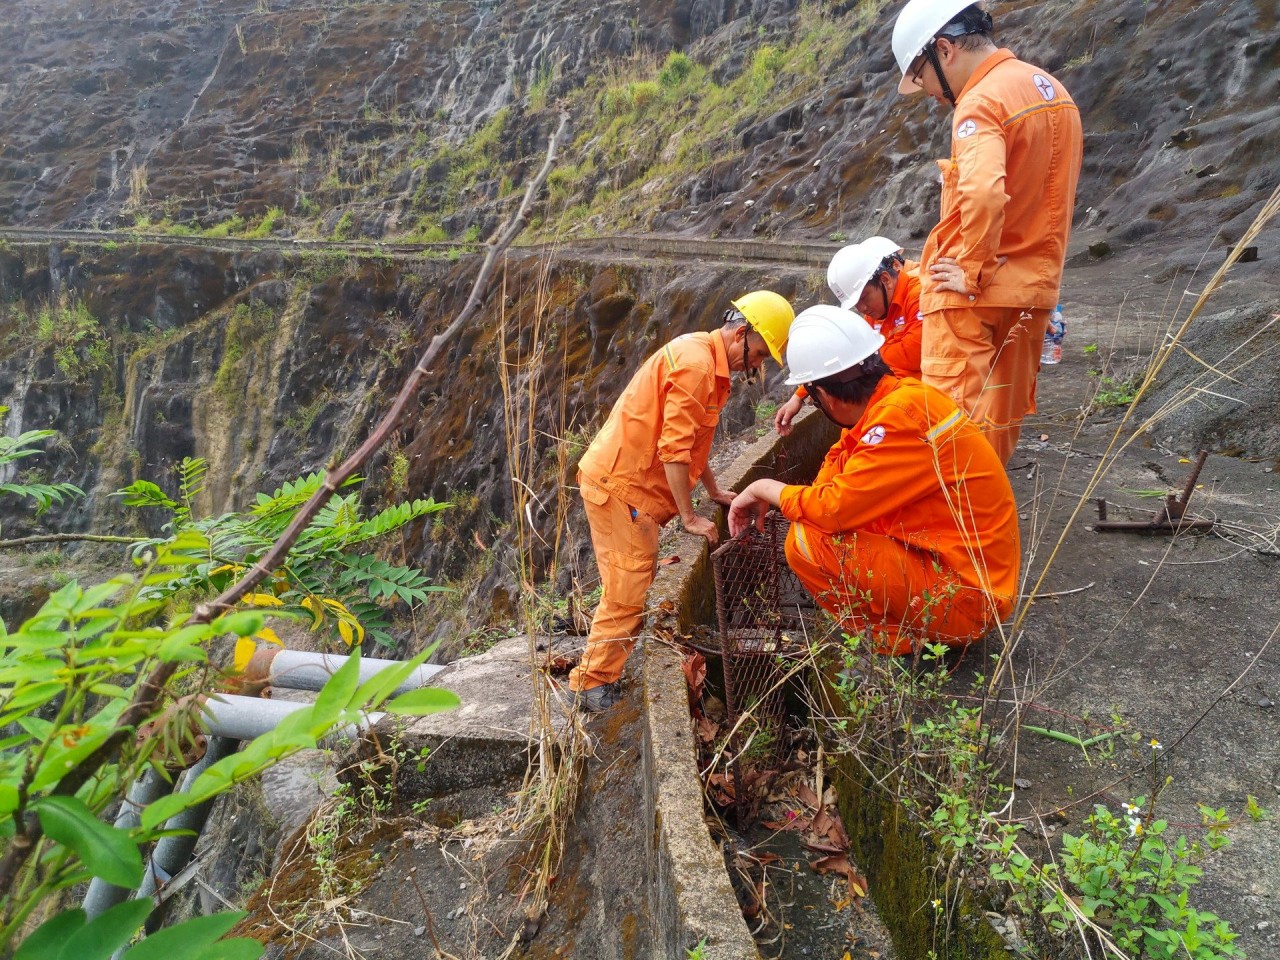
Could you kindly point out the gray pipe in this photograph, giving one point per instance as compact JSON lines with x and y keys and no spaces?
{"x":297,"y":670}
{"x":147,"y":789}
{"x":244,"y":718}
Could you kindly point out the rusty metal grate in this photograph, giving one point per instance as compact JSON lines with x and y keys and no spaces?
{"x":764,"y":616}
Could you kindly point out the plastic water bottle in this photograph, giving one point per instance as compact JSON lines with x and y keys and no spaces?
{"x":1051,"y":352}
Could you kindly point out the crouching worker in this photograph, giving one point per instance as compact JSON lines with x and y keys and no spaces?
{"x":874,"y":279}
{"x":909,"y":533}
{"x":641,"y":468}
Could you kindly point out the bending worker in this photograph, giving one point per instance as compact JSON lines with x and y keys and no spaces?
{"x":909,"y":533}
{"x":992,"y":267}
{"x":874,"y":279}
{"x":640,"y":470}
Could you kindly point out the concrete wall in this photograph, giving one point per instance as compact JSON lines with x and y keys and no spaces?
{"x":693,"y":899}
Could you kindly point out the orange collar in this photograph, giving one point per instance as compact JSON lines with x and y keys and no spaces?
{"x":985,"y":67}
{"x":721,"y":354}
{"x":898,"y":302}
{"x":887,"y":385}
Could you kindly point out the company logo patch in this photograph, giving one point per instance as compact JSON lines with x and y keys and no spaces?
{"x":966,"y":129}
{"x":873,"y":436}
{"x":1045,"y":86}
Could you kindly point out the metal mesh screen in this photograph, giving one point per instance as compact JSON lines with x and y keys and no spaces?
{"x":765,"y":617}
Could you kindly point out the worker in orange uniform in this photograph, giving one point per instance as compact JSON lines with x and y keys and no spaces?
{"x":640,"y":470}
{"x":909,"y":532}
{"x":992,"y":268}
{"x":875,"y":280}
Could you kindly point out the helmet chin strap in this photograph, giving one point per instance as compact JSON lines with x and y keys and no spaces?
{"x":931,"y":51}
{"x":750,"y":374}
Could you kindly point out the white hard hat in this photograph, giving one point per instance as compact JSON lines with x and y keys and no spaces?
{"x":853,"y":267}
{"x":917,"y":24}
{"x":826,"y":340}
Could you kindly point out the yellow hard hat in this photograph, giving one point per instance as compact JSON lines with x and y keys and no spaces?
{"x":769,"y":315}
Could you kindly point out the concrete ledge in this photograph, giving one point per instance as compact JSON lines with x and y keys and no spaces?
{"x":486,"y":740}
{"x":693,"y":898}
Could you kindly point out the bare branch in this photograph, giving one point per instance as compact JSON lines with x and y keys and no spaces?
{"x":66,"y":538}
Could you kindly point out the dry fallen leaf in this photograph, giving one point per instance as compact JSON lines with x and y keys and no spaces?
{"x":806,"y":795}
{"x":668,"y":561}
{"x":706,"y":730}
{"x":842,"y":866}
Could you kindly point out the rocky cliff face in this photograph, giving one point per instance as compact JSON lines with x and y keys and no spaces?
{"x":393,"y":118}
{"x":269,"y":365}
{"x":421,"y":120}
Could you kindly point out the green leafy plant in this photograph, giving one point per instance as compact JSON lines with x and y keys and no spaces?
{"x":70,"y":674}
{"x":79,"y":343}
{"x":1135,"y":880}
{"x":13,"y":449}
{"x":1114,"y":393}
{"x":327,"y":575}
{"x":1256,"y":811}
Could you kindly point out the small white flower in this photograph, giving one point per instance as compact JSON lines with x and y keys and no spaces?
{"x":1131,"y":809}
{"x":1156,"y":745}
{"x":1135,"y":827}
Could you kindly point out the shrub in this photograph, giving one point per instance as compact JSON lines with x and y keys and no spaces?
{"x":675,"y":70}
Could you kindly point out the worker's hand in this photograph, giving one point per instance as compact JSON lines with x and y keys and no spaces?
{"x":747,"y":510}
{"x":947,"y":274}
{"x":702,"y":527}
{"x":722,"y":497}
{"x":786,"y":413}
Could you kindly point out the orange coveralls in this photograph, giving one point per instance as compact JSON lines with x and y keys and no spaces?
{"x":902,"y":328}
{"x":667,"y":414}
{"x":909,"y":533}
{"x":1007,"y":197}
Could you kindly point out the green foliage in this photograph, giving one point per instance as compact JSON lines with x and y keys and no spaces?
{"x":1127,"y":873}
{"x":1115,"y":393}
{"x":399,"y":479}
{"x":13,"y":449}
{"x":248,"y":325}
{"x":1256,"y":811}
{"x":80,"y":346}
{"x":233,"y":224}
{"x":699,"y":952}
{"x":427,"y":231}
{"x":325,"y":577}
{"x":266,"y":226}
{"x":676,"y":69}
{"x":766,"y":64}
{"x":540,"y":89}
{"x":342,"y":229}
{"x":68,"y":674}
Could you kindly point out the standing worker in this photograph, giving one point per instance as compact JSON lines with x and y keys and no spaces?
{"x":874,"y":279}
{"x":992,"y":267}
{"x":640,"y":470}
{"x":909,"y":532}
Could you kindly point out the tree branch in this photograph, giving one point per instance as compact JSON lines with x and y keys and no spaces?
{"x":66,"y":538}
{"x":150,"y":694}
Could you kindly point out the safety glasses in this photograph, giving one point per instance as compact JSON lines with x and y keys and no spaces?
{"x":917,"y":70}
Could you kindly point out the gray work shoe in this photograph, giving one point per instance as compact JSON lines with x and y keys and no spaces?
{"x":597,"y":699}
